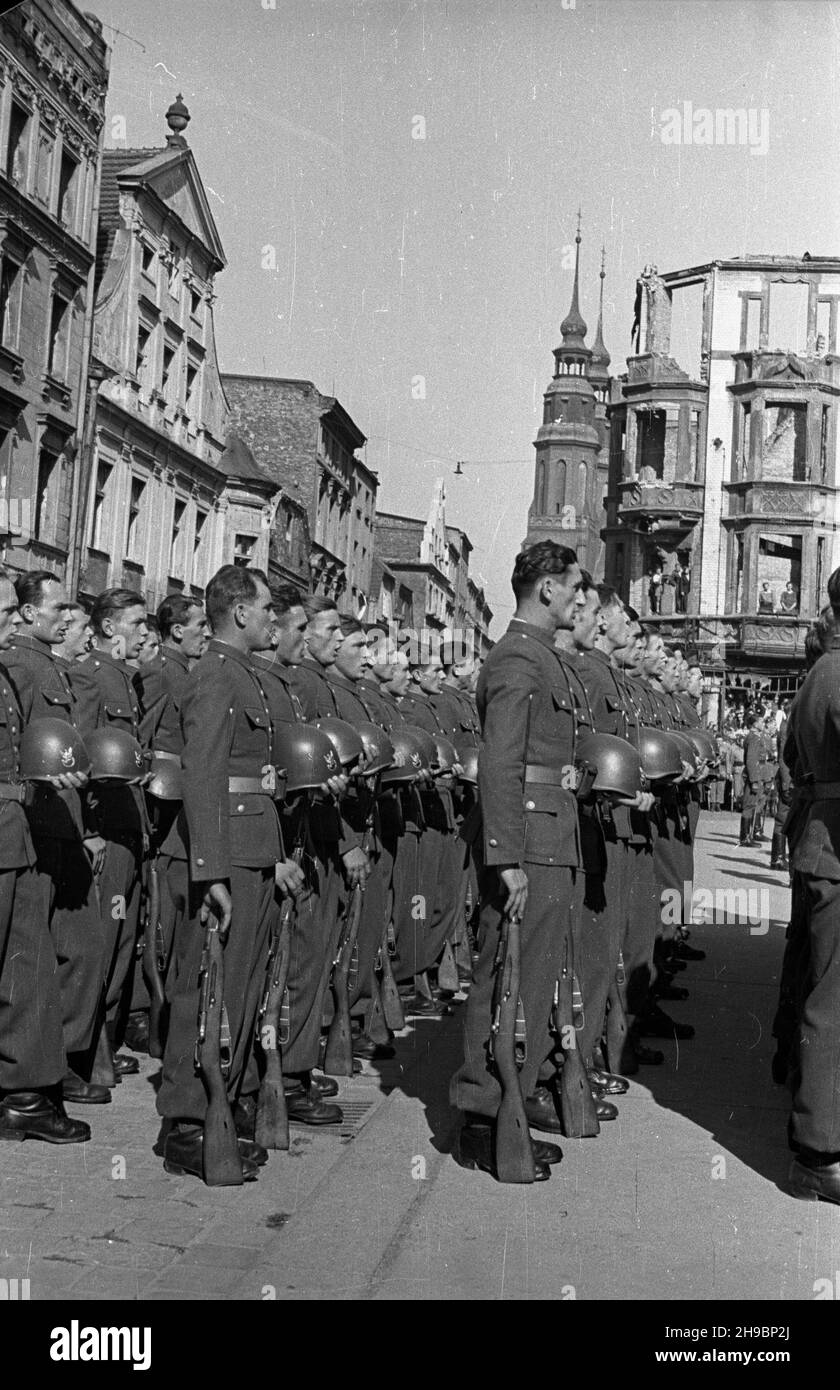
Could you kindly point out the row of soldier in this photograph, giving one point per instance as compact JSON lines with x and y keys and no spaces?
{"x":293,"y":758}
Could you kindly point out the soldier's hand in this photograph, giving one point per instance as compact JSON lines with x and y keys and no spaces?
{"x":457,"y":770}
{"x":356,"y":867}
{"x":516,"y":883}
{"x":95,"y":850}
{"x":289,"y":877}
{"x":217,"y":900}
{"x":67,"y":781}
{"x":336,"y":786}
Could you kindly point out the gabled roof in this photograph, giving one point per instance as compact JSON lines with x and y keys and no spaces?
{"x":237,"y":461}
{"x":169,"y":174}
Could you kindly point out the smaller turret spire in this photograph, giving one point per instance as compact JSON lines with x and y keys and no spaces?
{"x":573,"y":327}
{"x":599,"y":368}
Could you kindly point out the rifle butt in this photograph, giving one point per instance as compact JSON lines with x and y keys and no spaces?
{"x":577,"y":1106}
{"x":514,"y":1151}
{"x":447,"y":974}
{"x":616,"y":1030}
{"x":155,"y":1026}
{"x":222,"y":1161}
{"x":338,"y":1058}
{"x":102,"y":1072}
{"x":391,"y":1003}
{"x":272,"y":1126}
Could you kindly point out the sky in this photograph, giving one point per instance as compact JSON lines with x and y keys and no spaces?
{"x":396,"y":186}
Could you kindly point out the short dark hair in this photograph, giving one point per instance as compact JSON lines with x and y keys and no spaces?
{"x":175,"y":609}
{"x":631,"y":613}
{"x":152,"y":623}
{"x":586,"y":581}
{"x":313,"y":604}
{"x":286,"y":597}
{"x":834,"y":590}
{"x":230,"y":585}
{"x":608,"y":596}
{"x":535,"y":561}
{"x":349,"y":625}
{"x":112,"y":601}
{"x":29,"y":586}
{"x":83,"y":603}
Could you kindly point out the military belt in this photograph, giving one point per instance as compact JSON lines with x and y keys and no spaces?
{"x":242,"y":785}
{"x":547,"y":776}
{"x":12,"y":791}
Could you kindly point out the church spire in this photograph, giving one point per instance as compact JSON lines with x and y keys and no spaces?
{"x":599,"y":367}
{"x":573,"y":327}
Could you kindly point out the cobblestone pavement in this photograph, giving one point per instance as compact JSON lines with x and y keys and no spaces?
{"x":678,"y":1198}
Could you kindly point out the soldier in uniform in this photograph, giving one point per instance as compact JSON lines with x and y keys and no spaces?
{"x":752,"y":799}
{"x":78,"y":634}
{"x":233,"y":835}
{"x":67,"y":848}
{"x":32,"y":1053}
{"x":107,"y":696}
{"x":531,"y":845}
{"x":815,"y":1121}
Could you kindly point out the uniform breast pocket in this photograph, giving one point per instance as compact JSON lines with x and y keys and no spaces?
{"x":120,"y":712}
{"x":60,"y":703}
{"x":561,"y":700}
{"x":253,"y":825}
{"x":550,"y":821}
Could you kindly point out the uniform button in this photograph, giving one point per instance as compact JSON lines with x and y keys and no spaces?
{"x":530,"y":806}
{"x":200,"y":862}
{"x":494,"y":844}
{"x":240,"y":808}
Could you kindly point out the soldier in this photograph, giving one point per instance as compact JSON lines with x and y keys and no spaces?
{"x":307,"y":1090}
{"x":184,"y":631}
{"x":815,"y":1121}
{"x":66,"y":845}
{"x":32,"y":1053}
{"x":233,"y":834}
{"x":531,"y":845}
{"x":78,"y":633}
{"x":752,"y":798}
{"x":107,"y":697}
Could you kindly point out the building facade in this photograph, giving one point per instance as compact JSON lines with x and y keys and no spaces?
{"x":53,"y":81}
{"x":169,"y":493}
{"x":724,"y":478}
{"x":306,"y":442}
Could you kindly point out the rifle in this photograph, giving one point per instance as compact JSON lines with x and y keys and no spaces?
{"x":514,"y":1150}
{"x":576,"y":1102}
{"x":447,"y":970}
{"x":102,"y":1070}
{"x":272,"y":1127}
{"x":222,"y":1163}
{"x":338,"y":1059}
{"x":154,"y":958}
{"x":391,"y":1003}
{"x":616,"y":1018}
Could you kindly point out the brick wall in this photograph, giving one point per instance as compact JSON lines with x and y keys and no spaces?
{"x":279,"y":422}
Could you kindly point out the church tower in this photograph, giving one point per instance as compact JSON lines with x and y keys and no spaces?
{"x":599,"y":379}
{"x":567,"y":496}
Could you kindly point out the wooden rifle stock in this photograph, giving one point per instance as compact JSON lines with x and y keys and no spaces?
{"x":222,"y":1162}
{"x":447,"y":976}
{"x":391,"y":1003}
{"x":577,"y":1105}
{"x":514,"y":1150}
{"x":272,"y":1126}
{"x":338,"y":1059}
{"x":154,"y":963}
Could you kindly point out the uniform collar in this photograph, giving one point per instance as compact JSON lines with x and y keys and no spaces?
{"x":335,"y":678}
{"x":517,"y":625}
{"x":33,"y":643}
{"x":232,"y":653}
{"x":105,"y":659}
{"x":175,"y":656}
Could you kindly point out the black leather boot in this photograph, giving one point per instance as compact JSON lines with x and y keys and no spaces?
{"x":746,"y":831}
{"x":778,"y":857}
{"x":37,"y":1115}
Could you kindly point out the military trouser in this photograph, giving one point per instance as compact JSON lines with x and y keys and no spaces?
{"x":441,"y":863}
{"x":409,"y":909}
{"x":671,"y":863}
{"x":642,"y":923}
{"x":816,"y":1083}
{"x":75,"y":925}
{"x":544,"y":934}
{"x":119,"y":906}
{"x":31,"y":1038}
{"x":603,"y":922}
{"x":182,"y":1095}
{"x":315,"y":932}
{"x":377,"y":907}
{"x":794,"y":975}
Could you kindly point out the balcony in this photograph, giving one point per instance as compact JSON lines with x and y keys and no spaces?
{"x":754,"y":500}
{"x":782,"y":368}
{"x":677,"y":501}
{"x":730,"y":638}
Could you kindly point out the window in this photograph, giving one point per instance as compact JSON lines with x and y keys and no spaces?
{"x":43,"y":167}
{"x":133,"y":540}
{"x":17,"y":150}
{"x":195,"y":301}
{"x":11,"y":288}
{"x":788,"y":317}
{"x":59,"y":337}
{"x":198,"y":558}
{"x":824,"y":442}
{"x":103,"y":474}
{"x":67,"y":189}
{"x":147,"y":255}
{"x":192,"y":388}
{"x":783,"y":449}
{"x":45,"y":493}
{"x":243,"y":549}
{"x":824,"y":342}
{"x":168,"y":359}
{"x":751,"y":323}
{"x":173,"y":274}
{"x":142,"y":352}
{"x":176,"y":549}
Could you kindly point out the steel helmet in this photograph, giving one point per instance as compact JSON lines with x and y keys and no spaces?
{"x":307,"y":756}
{"x":50,"y":747}
{"x":115,"y":756}
{"x":379,"y":751}
{"x":617,"y":764}
{"x":167,"y":782}
{"x":426,"y":746}
{"x":468,"y":758}
{"x":659,"y":754}
{"x":705,"y":741}
{"x":408,"y":756}
{"x":447,"y":753}
{"x":343,"y":738}
{"x":688,"y":752}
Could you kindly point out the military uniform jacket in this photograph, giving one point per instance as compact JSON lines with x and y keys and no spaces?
{"x":437,"y":800}
{"x":400,"y":808}
{"x":456,"y":716}
{"x":312,"y":688}
{"x":285,"y":708}
{"x":752,"y":759}
{"x":107,"y":695}
{"x":358,"y":806}
{"x":161,"y":692}
{"x":528,"y":729}
{"x":16,"y":849}
{"x":228,"y":732}
{"x":613,"y":714}
{"x":815,"y":725}
{"x":45,"y":692}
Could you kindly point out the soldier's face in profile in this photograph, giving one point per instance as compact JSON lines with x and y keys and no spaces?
{"x":562,"y":596}
{"x":9,"y":615}
{"x":351,"y":659}
{"x":398,"y":679}
{"x":614,"y":622}
{"x":48,"y":619}
{"x":324,"y":636}
{"x":289,"y":636}
{"x":78,"y":634}
{"x":430,"y":674}
{"x":126,"y":630}
{"x":194,"y":633}
{"x":653,"y":657}
{"x":259,"y":619}
{"x":587,"y":612}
